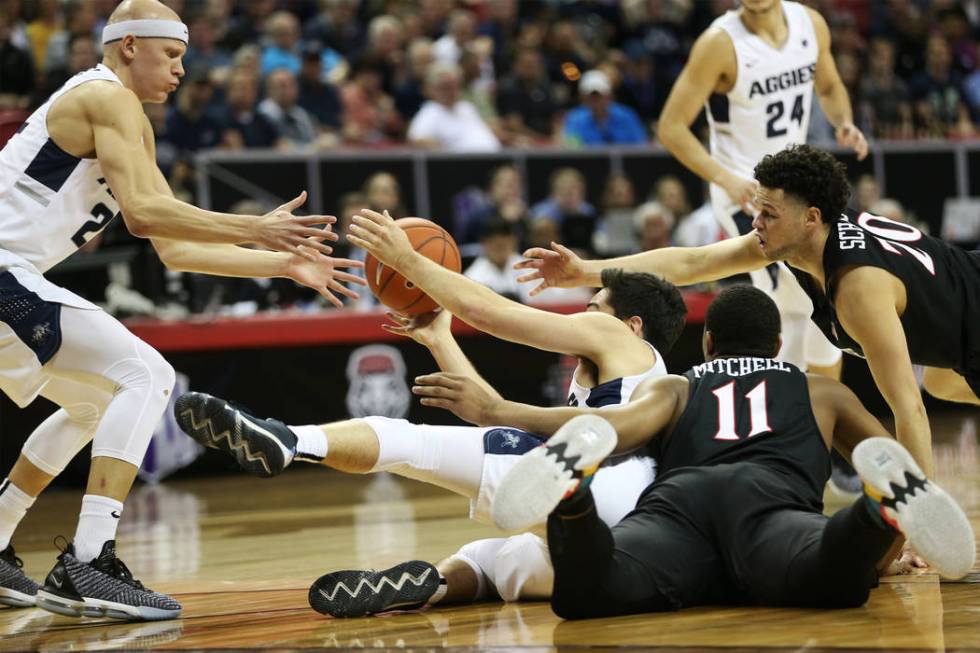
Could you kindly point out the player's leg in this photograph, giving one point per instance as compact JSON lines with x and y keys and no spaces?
{"x":89,"y":579}
{"x":951,"y":386}
{"x":448,"y":456}
{"x":49,"y":449}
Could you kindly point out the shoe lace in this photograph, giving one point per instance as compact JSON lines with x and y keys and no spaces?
{"x":61,"y":543}
{"x":118,"y":569}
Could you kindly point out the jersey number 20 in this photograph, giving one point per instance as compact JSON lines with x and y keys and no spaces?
{"x":776,"y":110}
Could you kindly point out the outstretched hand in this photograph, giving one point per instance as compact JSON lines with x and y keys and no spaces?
{"x":908,"y":562}
{"x":425,"y":329}
{"x":462,"y":395}
{"x":378,"y":234}
{"x":320,"y":273}
{"x":302,"y":235}
{"x":558,"y":267}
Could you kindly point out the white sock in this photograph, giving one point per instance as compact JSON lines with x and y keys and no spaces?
{"x":96,"y":525}
{"x":14,"y":503}
{"x":440,"y":592}
{"x":311,"y":443}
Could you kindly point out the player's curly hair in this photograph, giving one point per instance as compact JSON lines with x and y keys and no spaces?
{"x":655,"y":301}
{"x":743,"y":321}
{"x":812,"y":175}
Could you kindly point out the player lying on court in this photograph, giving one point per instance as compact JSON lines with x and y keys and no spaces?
{"x":86,"y":156}
{"x":880,"y":288}
{"x":617,"y":340}
{"x":735,"y":516}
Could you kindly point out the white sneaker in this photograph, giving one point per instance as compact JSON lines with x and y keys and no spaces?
{"x":932,"y":522}
{"x":551,"y":472}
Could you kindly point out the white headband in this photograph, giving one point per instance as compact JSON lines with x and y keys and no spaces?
{"x":163,"y":29}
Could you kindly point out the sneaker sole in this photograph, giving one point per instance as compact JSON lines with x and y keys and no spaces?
{"x":89,"y":607}
{"x":215,"y":424}
{"x":539,"y":481}
{"x":931,"y":520}
{"x":353,"y":593}
{"x":16,"y":599}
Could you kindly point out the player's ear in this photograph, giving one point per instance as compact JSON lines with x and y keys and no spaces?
{"x":635,"y":323}
{"x":708,"y":345}
{"x":779,"y":346}
{"x":812,"y":216}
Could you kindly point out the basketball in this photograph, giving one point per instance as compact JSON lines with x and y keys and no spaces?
{"x":395,"y":291}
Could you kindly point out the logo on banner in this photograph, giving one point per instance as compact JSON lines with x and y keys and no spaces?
{"x":377,"y":382}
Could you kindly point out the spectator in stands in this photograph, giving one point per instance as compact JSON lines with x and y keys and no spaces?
{"x":567,"y":197}
{"x":566,"y":56}
{"x":319,"y":97}
{"x":866,"y":193}
{"x":599,"y":120}
{"x":204,"y":52}
{"x":79,"y":21}
{"x":47,"y":22}
{"x":614,"y":234}
{"x":641,"y":89}
{"x":337,"y":24}
{"x":244,"y":125}
{"x":460,"y":31}
{"x":654,"y":225}
{"x":248,"y":25}
{"x":16,"y":68}
{"x":370,"y":117}
{"x":386,"y":37}
{"x":433,"y":15}
{"x":693,"y":229}
{"x":501,"y":23}
{"x":524,"y":99}
{"x":939,"y":105}
{"x":885,"y":96}
{"x":293,"y":123}
{"x":282,"y":47}
{"x":504,"y":200}
{"x":83,"y":53}
{"x":248,"y":58}
{"x":479,"y":91}
{"x":409,"y":95}
{"x":447,"y":122}
{"x":494,"y":267}
{"x":190,"y":126}
{"x":383,"y":193}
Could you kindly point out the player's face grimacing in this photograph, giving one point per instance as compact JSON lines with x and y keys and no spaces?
{"x":157,"y":68}
{"x":778,"y":224}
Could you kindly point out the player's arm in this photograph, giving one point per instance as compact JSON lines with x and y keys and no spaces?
{"x":434,"y":332}
{"x":711,"y":61}
{"x":234,"y":261}
{"x":117,"y":121}
{"x":652,"y":409}
{"x":560,"y":267}
{"x":866,"y":307}
{"x":841,"y":415}
{"x":831,"y":92}
{"x":592,"y":335}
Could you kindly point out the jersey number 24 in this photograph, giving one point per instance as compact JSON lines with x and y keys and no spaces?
{"x":775,"y":112}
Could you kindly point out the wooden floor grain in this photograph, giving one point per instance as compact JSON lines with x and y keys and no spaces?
{"x":240,"y":553}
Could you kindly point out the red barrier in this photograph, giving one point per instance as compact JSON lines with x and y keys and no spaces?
{"x":303,"y":329}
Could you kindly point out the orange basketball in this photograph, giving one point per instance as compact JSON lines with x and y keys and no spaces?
{"x":395,"y":291}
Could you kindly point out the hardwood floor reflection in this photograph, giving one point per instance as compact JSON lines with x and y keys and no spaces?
{"x":240,"y":553}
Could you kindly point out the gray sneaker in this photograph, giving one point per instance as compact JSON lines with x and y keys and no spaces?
{"x":16,"y":589}
{"x":101,"y":588}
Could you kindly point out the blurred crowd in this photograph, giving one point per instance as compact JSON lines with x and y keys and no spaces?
{"x":479,"y":75}
{"x":482,"y":74}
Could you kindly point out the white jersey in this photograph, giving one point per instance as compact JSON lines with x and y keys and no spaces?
{"x":51,"y":202}
{"x":617,"y":391}
{"x":769,"y":106}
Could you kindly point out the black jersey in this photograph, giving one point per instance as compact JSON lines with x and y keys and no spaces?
{"x":749,"y":410}
{"x":942,"y":283}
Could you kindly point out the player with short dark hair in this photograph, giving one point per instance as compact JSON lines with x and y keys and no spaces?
{"x":880,"y":289}
{"x":735,"y":515}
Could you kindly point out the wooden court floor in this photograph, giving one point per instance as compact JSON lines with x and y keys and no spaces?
{"x":240,"y":553}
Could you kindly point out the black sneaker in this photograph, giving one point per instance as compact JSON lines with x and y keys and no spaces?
{"x":101,"y":588}
{"x":16,"y":588}
{"x":262,"y":447}
{"x":355,"y":593}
